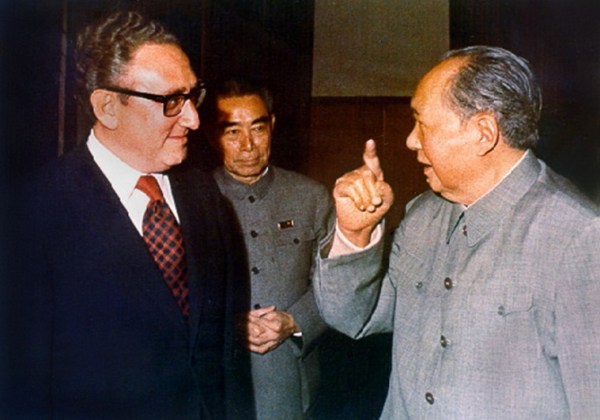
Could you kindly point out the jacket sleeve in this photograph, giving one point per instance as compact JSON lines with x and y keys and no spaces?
{"x":304,"y":310}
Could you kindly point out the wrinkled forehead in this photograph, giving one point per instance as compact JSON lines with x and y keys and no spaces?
{"x":435,"y":83}
{"x":162,"y":67}
{"x":241,"y":108}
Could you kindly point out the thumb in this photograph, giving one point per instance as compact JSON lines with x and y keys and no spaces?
{"x":371,"y":159}
{"x":259,"y":312}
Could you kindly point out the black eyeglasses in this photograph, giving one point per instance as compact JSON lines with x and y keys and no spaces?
{"x":172,"y":104}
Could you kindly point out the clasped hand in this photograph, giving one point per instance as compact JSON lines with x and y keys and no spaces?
{"x":362,"y":198}
{"x":266,"y":328}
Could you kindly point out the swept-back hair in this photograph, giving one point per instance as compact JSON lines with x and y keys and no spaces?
{"x":495,"y":80}
{"x":105,"y":47}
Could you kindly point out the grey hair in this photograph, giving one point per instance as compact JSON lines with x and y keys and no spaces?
{"x":495,"y":80}
{"x":105,"y":47}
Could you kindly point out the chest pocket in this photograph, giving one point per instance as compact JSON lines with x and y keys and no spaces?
{"x":294,"y":236}
{"x":506,"y":303}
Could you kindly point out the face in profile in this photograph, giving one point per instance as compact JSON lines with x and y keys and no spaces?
{"x":442,"y":140}
{"x":148,"y":140}
{"x":244,"y":130}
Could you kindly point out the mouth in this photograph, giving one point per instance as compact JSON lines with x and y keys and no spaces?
{"x":248,"y":162}
{"x":179,"y":136}
{"x":425,"y":164}
{"x":179,"y":139}
{"x":427,"y":169}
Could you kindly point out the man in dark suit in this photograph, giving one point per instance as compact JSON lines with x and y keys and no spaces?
{"x":283,"y":216}
{"x":103,"y":326}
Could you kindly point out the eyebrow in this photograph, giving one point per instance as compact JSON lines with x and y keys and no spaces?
{"x":263,"y":119}
{"x":184,"y":90}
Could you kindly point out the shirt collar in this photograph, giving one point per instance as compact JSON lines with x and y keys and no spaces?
{"x":122,"y":177}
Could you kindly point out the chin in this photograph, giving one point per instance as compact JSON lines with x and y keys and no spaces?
{"x":435,"y":187}
{"x":246,"y":171}
{"x":175,"y":159}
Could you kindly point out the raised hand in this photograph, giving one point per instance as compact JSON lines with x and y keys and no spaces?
{"x":362,"y":198}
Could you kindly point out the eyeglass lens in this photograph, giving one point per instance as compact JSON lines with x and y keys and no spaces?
{"x":174,"y":105}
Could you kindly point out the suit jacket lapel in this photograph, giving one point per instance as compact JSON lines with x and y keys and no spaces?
{"x":191,"y":219}
{"x":197,"y":207}
{"x":104,"y":214}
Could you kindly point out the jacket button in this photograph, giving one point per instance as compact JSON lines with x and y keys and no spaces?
{"x":255,"y":270}
{"x":296,"y":241}
{"x":444,"y":342}
{"x":419,"y":285}
{"x":429,"y":398}
{"x":448,"y":283}
{"x":501,"y":310}
{"x":251,"y":199}
{"x":253,"y":233}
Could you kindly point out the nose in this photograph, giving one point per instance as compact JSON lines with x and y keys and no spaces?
{"x":246,"y":141}
{"x":412,"y":141}
{"x":189,"y":117}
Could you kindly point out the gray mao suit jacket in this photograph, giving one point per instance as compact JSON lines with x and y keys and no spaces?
{"x":283,"y":217}
{"x":495,"y":309}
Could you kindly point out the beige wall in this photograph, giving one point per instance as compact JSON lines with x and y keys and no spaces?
{"x":376,"y":47}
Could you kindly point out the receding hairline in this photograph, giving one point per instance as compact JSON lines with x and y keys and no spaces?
{"x":447,"y":70}
{"x":134,"y":59}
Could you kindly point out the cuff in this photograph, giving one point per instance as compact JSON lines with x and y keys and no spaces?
{"x":342,"y":246}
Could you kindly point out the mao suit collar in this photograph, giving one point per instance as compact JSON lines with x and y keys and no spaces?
{"x":489,"y":211}
{"x":240,"y":190}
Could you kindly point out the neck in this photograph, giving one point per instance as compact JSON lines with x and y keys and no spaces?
{"x":492,"y":173}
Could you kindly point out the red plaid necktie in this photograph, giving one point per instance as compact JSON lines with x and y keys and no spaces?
{"x":163,"y":236}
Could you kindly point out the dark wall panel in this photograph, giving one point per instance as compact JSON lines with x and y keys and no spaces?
{"x":339,"y":129}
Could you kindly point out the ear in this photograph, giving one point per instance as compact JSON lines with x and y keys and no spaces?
{"x":488,"y":132}
{"x":104,"y":104}
{"x":272,"y":122}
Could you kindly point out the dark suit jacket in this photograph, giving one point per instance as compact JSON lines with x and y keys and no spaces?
{"x":95,"y":332}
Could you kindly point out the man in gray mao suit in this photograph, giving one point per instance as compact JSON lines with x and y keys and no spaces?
{"x":493,"y":286}
{"x":283,"y":216}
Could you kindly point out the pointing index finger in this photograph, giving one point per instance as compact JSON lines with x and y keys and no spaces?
{"x":371,"y":159}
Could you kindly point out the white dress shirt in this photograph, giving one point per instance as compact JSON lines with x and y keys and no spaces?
{"x":123,"y":179}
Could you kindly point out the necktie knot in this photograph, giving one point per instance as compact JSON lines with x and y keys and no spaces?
{"x":148,"y":185}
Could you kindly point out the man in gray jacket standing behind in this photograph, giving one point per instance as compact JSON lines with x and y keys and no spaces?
{"x":283,"y":216}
